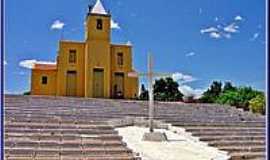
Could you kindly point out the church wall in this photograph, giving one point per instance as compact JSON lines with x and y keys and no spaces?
{"x":98,"y":58}
{"x":64,"y":66}
{"x":37,"y":88}
{"x":97,"y":52}
{"x":130,"y":84}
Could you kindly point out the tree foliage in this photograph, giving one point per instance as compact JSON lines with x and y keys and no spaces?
{"x":238,"y":97}
{"x":167,"y":90}
{"x":144,"y":93}
{"x":212,"y":93}
{"x":241,"y":97}
{"x":27,"y":93}
{"x":257,"y":104}
{"x":164,"y":90}
{"x":229,"y":87}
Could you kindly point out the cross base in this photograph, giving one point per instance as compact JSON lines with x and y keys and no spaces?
{"x":155,"y":136}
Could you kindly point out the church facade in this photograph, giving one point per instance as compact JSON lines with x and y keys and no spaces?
{"x":93,"y":68}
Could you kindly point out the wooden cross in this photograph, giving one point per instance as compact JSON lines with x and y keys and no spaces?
{"x":150,"y":74}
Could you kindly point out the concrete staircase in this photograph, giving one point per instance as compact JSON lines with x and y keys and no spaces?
{"x":39,"y":127}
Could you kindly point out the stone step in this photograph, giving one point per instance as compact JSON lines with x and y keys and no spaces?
{"x":57,"y":125}
{"x":52,"y":120}
{"x":243,"y":148}
{"x":228,"y":137}
{"x":56,"y":144}
{"x":104,"y":157}
{"x":224,"y":129}
{"x":66,"y":152}
{"x":219,"y":133}
{"x":235,"y":143}
{"x":214,"y":124}
{"x":65,"y":137}
{"x":248,"y":155}
{"x":60,"y":131}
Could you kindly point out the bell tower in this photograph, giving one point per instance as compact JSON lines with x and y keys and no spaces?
{"x":98,"y":26}
{"x":97,"y":51}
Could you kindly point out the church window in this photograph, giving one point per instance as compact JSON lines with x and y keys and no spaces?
{"x":44,"y":79}
{"x":72,"y":56}
{"x":99,"y":24}
{"x":120,"y":60}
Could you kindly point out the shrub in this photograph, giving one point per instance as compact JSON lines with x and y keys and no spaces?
{"x":246,"y":94}
{"x":257,"y":104}
{"x":27,"y":93}
{"x":238,"y":97}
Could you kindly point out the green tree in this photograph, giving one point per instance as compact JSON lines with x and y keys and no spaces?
{"x":167,"y":90}
{"x":257,"y":104}
{"x":144,"y":93}
{"x":246,"y":94}
{"x":229,"y":97}
{"x":27,"y":93}
{"x":212,"y":93}
{"x":229,"y":87}
{"x":238,"y":97}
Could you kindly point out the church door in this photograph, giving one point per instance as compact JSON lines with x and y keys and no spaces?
{"x":119,"y":85}
{"x":98,"y":83}
{"x":71,"y":87}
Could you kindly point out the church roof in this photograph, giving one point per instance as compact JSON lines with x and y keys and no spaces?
{"x":43,"y":66}
{"x":99,"y":8}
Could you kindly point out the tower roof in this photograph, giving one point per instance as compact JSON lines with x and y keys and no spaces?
{"x":99,"y":8}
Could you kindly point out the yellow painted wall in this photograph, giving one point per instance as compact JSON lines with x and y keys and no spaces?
{"x":131,"y":84}
{"x":97,"y":53}
{"x":64,"y":66}
{"x":37,"y":88}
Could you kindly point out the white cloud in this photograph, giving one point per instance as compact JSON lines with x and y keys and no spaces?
{"x":182,"y":78}
{"x":215,"y":35}
{"x":221,"y":30}
{"x":232,"y":28}
{"x":114,"y":25}
{"x":255,"y":36}
{"x":190,"y":54}
{"x":209,"y":30}
{"x":188,"y":91}
{"x":227,"y":35}
{"x":212,"y":31}
{"x":5,"y":62}
{"x":238,"y":18}
{"x":58,"y":25}
{"x":30,"y":63}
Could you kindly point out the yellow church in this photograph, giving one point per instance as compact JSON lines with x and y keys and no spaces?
{"x":92,"y":68}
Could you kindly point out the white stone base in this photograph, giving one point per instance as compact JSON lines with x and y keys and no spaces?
{"x":155,"y":136}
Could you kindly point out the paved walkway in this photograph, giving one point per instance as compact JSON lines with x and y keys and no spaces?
{"x":179,"y":147}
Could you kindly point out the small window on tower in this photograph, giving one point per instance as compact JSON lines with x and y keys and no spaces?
{"x":99,"y":24}
{"x":120,"y":60}
{"x":44,"y":79}
{"x":72,"y":56}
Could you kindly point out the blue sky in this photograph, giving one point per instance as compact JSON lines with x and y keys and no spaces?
{"x":201,"y":40}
